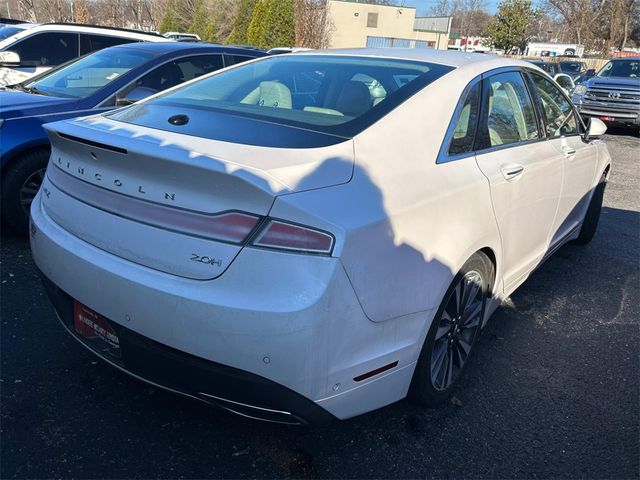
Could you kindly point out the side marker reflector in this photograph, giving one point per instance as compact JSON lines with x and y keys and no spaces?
{"x":372,"y":373}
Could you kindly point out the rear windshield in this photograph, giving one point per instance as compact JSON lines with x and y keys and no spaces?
{"x":340,"y":95}
{"x":571,"y":67}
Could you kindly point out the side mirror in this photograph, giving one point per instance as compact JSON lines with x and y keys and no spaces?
{"x":595,"y":129}
{"x":565,"y":81}
{"x":135,"y":95}
{"x":590,"y":73}
{"x":9,"y":59}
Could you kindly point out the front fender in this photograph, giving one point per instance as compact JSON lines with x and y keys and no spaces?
{"x":18,"y":136}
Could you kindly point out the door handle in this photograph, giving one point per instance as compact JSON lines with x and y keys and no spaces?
{"x":511,"y":170}
{"x":569,"y":151}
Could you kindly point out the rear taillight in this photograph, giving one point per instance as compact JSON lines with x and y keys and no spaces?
{"x":298,"y":238}
{"x":231,"y":227}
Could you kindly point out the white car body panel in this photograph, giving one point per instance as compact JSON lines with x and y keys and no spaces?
{"x":241,"y":333}
{"x":403,"y":225}
{"x":583,"y":168}
{"x":525,"y":206}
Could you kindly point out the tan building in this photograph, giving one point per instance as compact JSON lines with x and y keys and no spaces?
{"x":360,"y":24}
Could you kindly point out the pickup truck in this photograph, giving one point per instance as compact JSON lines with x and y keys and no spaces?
{"x":613,"y":94}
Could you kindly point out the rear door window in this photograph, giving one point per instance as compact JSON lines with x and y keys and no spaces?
{"x":508,"y":115}
{"x":234,"y":59}
{"x":465,"y":126}
{"x":91,"y":43}
{"x":175,"y":72}
{"x":47,"y":49}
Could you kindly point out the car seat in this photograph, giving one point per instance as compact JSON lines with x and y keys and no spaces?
{"x":354,"y":99}
{"x":502,"y":124}
{"x":270,"y":94}
{"x":164,"y":77}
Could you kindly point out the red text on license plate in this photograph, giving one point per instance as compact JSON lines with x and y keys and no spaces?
{"x":92,"y":325}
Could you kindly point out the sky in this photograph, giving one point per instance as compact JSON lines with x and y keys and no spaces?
{"x":424,"y":6}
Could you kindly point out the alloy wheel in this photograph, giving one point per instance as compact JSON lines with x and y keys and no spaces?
{"x":30,"y":188}
{"x":457,"y":330}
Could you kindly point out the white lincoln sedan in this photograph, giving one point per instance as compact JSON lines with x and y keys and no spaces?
{"x":316,"y":235}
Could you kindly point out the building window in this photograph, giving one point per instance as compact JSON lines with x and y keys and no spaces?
{"x":372,"y":20}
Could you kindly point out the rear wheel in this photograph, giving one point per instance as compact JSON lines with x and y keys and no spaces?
{"x":591,"y":218}
{"x":453,"y":333}
{"x":21,"y":181}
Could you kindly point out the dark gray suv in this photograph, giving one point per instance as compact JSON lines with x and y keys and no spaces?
{"x":613,"y":94}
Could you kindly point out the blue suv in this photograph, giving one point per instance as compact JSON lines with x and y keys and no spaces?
{"x":98,"y":82}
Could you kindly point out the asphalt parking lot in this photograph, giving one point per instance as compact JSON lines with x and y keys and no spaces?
{"x":553,"y":390}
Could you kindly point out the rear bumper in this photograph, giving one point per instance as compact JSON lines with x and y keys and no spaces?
{"x":289,"y":322}
{"x":230,"y":388}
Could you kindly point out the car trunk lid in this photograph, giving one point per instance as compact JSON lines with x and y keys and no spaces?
{"x":156,"y":199}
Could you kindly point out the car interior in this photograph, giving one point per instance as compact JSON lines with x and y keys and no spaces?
{"x":506,"y":120}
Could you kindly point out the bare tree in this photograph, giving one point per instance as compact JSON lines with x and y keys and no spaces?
{"x":619,"y":16}
{"x":601,"y":24}
{"x":580,"y":16}
{"x":81,"y":12}
{"x":631,"y":13}
{"x":224,"y":14}
{"x":313,"y":24}
{"x":469,"y":16}
{"x":27,"y":9}
{"x":54,"y":10}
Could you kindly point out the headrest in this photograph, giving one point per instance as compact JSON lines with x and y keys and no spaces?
{"x":354,"y":99}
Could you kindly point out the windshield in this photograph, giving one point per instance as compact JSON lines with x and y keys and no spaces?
{"x":6,"y":32}
{"x":571,"y":67}
{"x":89,"y":74}
{"x":332,"y":94}
{"x":546,"y":66}
{"x":621,"y":68}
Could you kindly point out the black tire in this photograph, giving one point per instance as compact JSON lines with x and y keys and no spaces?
{"x":591,"y":218}
{"x":424,"y":390}
{"x":21,"y":180}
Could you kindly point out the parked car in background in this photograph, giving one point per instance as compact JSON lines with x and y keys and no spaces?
{"x":586,"y":75}
{"x":233,"y":239}
{"x":550,"y":67}
{"x":572,"y":68}
{"x":613,"y":94}
{"x":10,"y":29}
{"x":554,"y":71}
{"x":281,"y":50}
{"x":182,"y":37}
{"x":98,"y":82}
{"x":28,"y":49}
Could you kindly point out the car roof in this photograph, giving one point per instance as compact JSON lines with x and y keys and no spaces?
{"x":82,"y":26}
{"x":21,"y":26}
{"x":452,"y":58}
{"x":634,"y":57}
{"x":31,"y":28}
{"x":166,"y":47}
